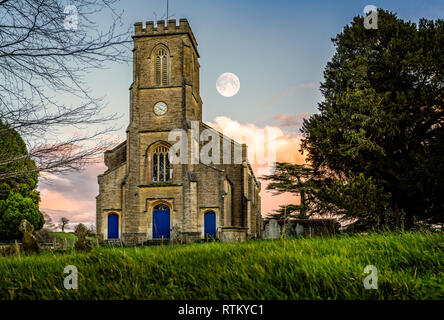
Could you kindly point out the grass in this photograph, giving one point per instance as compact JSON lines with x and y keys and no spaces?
{"x":69,"y":236}
{"x":64,"y":235}
{"x":410,"y":266}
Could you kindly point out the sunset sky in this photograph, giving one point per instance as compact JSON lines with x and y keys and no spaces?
{"x":278,"y":49}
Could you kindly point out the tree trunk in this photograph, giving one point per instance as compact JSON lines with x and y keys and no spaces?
{"x":409,"y":221}
{"x":397,"y":215}
{"x":303,"y":205}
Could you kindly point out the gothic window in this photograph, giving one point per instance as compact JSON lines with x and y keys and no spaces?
{"x":161,"y":164}
{"x":161,"y":67}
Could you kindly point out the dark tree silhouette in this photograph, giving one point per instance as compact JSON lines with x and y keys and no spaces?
{"x":295,"y":179}
{"x":380,"y":125}
{"x":63,"y":222}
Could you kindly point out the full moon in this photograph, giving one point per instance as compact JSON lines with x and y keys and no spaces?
{"x":370,"y":8}
{"x":228,"y":84}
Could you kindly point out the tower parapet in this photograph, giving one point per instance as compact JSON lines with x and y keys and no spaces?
{"x":164,"y":29}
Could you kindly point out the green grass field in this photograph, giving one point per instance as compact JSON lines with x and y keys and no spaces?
{"x":410,"y":266}
{"x":64,"y":235}
{"x":69,"y":236}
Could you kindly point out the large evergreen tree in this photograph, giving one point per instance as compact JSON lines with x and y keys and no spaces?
{"x":18,"y":196}
{"x":294,"y":179}
{"x":379,"y":130}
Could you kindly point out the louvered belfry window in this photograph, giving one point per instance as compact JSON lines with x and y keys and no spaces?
{"x":161,"y":164}
{"x":161,"y":67}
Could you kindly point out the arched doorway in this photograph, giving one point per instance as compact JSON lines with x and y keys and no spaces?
{"x":161,"y":221}
{"x":210,"y":224}
{"x":113,"y":226}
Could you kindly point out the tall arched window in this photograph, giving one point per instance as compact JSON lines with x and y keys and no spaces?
{"x":161,"y":67}
{"x":161,"y":164}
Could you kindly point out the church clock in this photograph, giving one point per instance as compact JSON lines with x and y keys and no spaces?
{"x":160,"y":108}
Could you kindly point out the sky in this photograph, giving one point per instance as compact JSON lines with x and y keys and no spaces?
{"x":278,"y":49}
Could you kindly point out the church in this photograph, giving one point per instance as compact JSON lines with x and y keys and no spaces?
{"x":143,"y":194}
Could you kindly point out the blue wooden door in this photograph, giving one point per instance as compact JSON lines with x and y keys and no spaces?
{"x":113,"y":226}
{"x":210,"y":224}
{"x":161,"y":222}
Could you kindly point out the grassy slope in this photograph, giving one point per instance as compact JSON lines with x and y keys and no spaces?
{"x":410,"y":266}
{"x":69,"y":236}
{"x":64,"y":235}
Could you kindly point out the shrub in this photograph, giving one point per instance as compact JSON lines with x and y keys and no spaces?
{"x":13,"y":210}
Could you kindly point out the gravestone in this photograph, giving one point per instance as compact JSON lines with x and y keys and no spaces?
{"x":29,"y":241}
{"x":176,"y":235}
{"x":299,"y":230}
{"x":290,"y":230}
{"x":82,"y":244}
{"x":10,"y":250}
{"x":272,"y":230}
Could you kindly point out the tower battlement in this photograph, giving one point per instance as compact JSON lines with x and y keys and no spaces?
{"x":171,"y":27}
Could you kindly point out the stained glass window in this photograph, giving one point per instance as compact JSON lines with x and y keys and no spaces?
{"x":161,"y":165}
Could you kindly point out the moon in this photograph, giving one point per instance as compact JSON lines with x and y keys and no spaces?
{"x":228,"y":84}
{"x":370,"y":8}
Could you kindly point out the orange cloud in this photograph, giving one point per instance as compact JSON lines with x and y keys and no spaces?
{"x":262,"y":140}
{"x":73,"y":195}
{"x":54,"y":200}
{"x":287,"y":120}
{"x":286,"y":148}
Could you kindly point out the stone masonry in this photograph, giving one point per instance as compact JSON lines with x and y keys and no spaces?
{"x":128,"y":188}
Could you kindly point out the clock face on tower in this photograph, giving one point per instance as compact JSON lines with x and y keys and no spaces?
{"x":160,"y":108}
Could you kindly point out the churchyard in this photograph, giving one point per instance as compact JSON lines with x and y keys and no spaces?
{"x":408,"y":266}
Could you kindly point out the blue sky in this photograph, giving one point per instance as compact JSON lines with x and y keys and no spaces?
{"x":273,"y":47}
{"x":278,"y":49}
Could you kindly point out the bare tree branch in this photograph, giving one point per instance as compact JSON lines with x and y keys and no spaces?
{"x":43,"y":65}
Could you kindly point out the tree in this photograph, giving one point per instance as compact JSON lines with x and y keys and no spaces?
{"x":48,"y":222}
{"x":18,"y":196}
{"x":13,"y":210}
{"x":285,"y":212}
{"x":44,"y":56}
{"x":63,"y":222}
{"x":91,"y":230}
{"x":380,"y":124}
{"x":80,"y":227}
{"x":292,"y":178}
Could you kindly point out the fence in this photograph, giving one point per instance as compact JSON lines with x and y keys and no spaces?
{"x":64,"y":245}
{"x":59,"y":244}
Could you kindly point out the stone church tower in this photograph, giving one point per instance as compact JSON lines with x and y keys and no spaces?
{"x":144,"y":195}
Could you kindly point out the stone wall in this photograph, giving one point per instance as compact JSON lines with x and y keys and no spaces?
{"x":233,"y":234}
{"x":109,"y":199}
{"x":127,"y":188}
{"x":274,"y":229}
{"x":116,"y":157}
